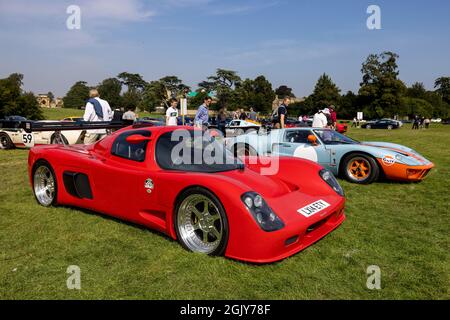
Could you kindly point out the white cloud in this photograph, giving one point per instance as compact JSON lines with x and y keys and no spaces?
{"x":108,"y":10}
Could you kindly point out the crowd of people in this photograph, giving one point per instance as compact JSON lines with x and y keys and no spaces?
{"x":98,"y":109}
{"x":421,"y":123}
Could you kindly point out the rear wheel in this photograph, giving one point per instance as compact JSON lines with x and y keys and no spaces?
{"x":44,"y":183}
{"x":244,"y":150}
{"x":360,"y":168}
{"x":201,"y":223}
{"x":368,"y":127}
{"x":5,"y":141}
{"x":59,"y":140}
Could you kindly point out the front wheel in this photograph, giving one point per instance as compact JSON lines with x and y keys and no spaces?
{"x":44,"y":183}
{"x":201,"y":223}
{"x":360,"y":168}
{"x":368,"y":127}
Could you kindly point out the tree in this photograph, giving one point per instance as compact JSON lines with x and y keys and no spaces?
{"x":416,"y":106}
{"x":442,"y":86}
{"x":257,"y":94}
{"x":133,"y":81}
{"x":110,"y":90}
{"x":417,"y":90}
{"x":224,"y":83}
{"x":381,"y":91}
{"x":325,"y":93}
{"x":174,"y":86}
{"x":348,"y":105}
{"x":133,"y":98}
{"x":284,"y":91}
{"x":77,"y":96}
{"x":51,"y":96}
{"x":154,"y":95}
{"x":13,"y":101}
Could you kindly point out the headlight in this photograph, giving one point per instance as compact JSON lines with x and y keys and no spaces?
{"x":261,"y":212}
{"x":329,"y":178}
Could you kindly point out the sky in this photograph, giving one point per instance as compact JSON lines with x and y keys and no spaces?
{"x":290,"y":42}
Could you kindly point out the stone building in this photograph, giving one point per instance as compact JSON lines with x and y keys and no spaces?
{"x":45,"y":101}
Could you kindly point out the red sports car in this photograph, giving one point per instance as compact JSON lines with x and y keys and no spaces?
{"x":153,"y":177}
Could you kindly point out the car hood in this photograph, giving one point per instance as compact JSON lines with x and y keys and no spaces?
{"x":413,"y":157}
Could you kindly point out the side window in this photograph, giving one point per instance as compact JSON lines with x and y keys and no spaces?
{"x":234,"y":124}
{"x":297,"y":136}
{"x":135,"y":152}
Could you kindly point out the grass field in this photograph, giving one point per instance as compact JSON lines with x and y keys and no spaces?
{"x":402,"y":228}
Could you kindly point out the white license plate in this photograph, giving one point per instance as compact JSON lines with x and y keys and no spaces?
{"x":313,"y":208}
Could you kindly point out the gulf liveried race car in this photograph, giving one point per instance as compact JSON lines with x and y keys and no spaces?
{"x":227,"y":207}
{"x":358,"y":162}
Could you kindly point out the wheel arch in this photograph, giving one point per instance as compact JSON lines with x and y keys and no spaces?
{"x":178,"y":199}
{"x":368,"y":154}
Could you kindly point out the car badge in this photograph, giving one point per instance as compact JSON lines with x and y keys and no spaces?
{"x":149,"y":185}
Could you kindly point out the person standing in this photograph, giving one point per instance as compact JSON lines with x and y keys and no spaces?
{"x":96,"y":110}
{"x":202,"y":116}
{"x":427,"y":122}
{"x":354,"y":123}
{"x":320,"y":120}
{"x":252,"y":115}
{"x":243,"y":115}
{"x":130,"y":115}
{"x":279,"y":116}
{"x":222,"y":121}
{"x":172,"y":113}
{"x":327,"y":114}
{"x":333,"y":116}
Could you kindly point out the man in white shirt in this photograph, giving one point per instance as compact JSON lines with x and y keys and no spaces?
{"x":129,"y":115}
{"x":172,"y":113}
{"x":96,"y":110}
{"x":320,"y":120}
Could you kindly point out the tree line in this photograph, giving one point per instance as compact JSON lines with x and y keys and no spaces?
{"x":381,"y":93}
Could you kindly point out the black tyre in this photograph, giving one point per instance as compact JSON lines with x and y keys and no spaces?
{"x":5,"y":141}
{"x":56,"y":140}
{"x":201,"y":223}
{"x":368,"y":127}
{"x":360,"y":168}
{"x":244,"y":150}
{"x":45,"y":187}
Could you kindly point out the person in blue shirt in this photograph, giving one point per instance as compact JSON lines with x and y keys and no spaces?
{"x":202,"y":116}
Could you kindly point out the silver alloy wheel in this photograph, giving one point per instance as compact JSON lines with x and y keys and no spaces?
{"x":200,"y":224}
{"x":44,"y":185}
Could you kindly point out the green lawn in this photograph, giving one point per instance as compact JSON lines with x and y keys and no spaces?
{"x":402,"y":228}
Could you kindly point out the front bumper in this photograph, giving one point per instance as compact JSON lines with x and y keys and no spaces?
{"x":271,"y":247}
{"x":403,"y":172}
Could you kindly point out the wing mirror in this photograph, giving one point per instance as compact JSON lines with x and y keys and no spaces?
{"x":137,"y":138}
{"x":312,"y":139}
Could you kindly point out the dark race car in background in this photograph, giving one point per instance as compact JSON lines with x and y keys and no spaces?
{"x":382,"y":124}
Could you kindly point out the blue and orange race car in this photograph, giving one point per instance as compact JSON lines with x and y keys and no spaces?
{"x":358,"y":162}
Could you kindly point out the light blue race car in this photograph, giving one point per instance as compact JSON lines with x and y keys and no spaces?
{"x":358,"y":162}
